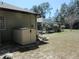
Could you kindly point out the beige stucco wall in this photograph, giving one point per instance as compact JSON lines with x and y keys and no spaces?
{"x":16,"y":19}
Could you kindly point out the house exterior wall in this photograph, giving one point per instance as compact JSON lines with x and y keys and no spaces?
{"x":17,"y":20}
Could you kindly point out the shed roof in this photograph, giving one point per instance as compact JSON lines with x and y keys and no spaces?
{"x":12,"y":7}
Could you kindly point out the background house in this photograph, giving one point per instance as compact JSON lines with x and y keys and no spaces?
{"x":40,"y":23}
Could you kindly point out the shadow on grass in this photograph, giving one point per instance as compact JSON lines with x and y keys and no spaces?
{"x":13,"y":47}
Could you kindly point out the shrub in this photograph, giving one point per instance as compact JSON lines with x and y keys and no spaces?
{"x":56,"y":28}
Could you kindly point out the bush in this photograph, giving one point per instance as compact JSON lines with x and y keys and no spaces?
{"x":56,"y":28}
{"x":62,"y":27}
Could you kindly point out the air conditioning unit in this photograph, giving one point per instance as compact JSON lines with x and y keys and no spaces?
{"x":23,"y":36}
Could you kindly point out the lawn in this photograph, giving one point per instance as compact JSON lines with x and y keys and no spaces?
{"x":63,"y":45}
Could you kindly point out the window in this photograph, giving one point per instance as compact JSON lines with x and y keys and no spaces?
{"x":3,"y":22}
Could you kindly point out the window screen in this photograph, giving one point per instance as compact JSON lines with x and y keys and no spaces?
{"x":3,"y":22}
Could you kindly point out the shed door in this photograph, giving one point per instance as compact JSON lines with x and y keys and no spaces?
{"x":3,"y":29}
{"x":33,"y":29}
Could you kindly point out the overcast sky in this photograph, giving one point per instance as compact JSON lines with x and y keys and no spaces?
{"x":29,"y":3}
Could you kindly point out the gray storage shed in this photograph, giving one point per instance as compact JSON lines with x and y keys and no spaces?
{"x":12,"y":17}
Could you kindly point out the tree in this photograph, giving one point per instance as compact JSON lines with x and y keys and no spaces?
{"x":56,"y":18}
{"x":68,"y":14}
{"x":35,"y":9}
{"x":63,"y":13}
{"x":64,"y":9}
{"x":73,"y":12}
{"x":42,"y":9}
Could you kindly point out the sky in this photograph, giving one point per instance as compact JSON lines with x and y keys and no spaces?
{"x":55,"y":4}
